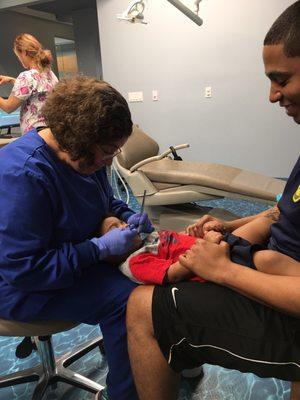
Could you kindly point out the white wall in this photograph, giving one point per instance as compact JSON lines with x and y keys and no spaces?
{"x":237,"y":126}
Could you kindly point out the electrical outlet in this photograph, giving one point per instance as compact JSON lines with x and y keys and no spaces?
{"x":154,"y":95}
{"x":208,"y":92}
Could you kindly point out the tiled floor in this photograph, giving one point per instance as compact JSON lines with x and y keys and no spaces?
{"x":217,"y":384}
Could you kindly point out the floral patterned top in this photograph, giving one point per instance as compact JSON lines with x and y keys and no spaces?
{"x":32,"y":87}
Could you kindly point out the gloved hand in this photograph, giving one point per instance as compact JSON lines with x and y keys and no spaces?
{"x":115,"y":242}
{"x":141,"y":222}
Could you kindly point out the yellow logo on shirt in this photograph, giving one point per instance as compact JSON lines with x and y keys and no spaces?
{"x":296,"y":196}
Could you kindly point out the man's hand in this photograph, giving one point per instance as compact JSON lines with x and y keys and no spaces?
{"x":205,"y":224}
{"x":213,"y":236}
{"x":207,"y":260}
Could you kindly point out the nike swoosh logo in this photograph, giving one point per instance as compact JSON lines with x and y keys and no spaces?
{"x":173,"y":295}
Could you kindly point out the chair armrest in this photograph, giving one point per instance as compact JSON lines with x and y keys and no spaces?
{"x":158,"y":157}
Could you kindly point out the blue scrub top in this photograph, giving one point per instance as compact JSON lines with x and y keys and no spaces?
{"x":48,"y":213}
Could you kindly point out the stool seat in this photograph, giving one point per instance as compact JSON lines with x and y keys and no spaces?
{"x":34,"y":328}
{"x":51,"y":369}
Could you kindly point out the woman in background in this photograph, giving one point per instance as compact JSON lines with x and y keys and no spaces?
{"x":31,"y":86}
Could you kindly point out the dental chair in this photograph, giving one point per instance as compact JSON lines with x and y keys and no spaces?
{"x":172,"y":182}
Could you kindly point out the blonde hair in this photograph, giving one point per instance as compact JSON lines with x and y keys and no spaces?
{"x":33,"y":49}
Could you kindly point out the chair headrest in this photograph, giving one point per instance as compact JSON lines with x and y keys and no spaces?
{"x":138,"y":147}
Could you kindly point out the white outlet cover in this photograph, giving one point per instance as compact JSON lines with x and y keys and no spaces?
{"x":154,"y":95}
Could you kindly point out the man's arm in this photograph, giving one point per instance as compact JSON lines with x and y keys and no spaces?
{"x":211,"y":261}
{"x":208,"y":222}
{"x":271,"y":213}
{"x":277,"y":291}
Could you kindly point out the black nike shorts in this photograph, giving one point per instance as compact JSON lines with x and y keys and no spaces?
{"x":196,"y":323}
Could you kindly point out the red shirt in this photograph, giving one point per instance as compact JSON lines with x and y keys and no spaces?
{"x":150,"y":266}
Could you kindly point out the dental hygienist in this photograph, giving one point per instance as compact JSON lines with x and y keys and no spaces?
{"x":31,"y":86}
{"x":54,"y":193}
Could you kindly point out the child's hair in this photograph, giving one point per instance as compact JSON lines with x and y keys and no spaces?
{"x":33,"y":49}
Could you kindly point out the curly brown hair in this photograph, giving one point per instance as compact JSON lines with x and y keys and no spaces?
{"x":83,"y":112}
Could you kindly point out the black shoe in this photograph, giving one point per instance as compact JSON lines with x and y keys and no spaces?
{"x":195,"y":373}
{"x":192,"y":378}
{"x":25,"y":348}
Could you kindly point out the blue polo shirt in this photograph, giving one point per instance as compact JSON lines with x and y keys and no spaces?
{"x":48,"y":213}
{"x":285,"y":234}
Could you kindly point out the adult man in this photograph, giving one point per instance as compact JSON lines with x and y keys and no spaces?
{"x":242,"y":319}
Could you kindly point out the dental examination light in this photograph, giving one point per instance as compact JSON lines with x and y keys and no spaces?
{"x":135,"y":9}
{"x":134,"y":12}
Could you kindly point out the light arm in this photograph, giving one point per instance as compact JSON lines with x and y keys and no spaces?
{"x":135,"y":9}
{"x":159,"y":157}
{"x":186,"y":11}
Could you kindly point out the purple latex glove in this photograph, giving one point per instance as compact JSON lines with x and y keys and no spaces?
{"x":141,"y":222}
{"x":115,"y":242}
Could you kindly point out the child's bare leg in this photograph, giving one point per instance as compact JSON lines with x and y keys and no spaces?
{"x":177,"y":273}
{"x":255,"y":231}
{"x":275,"y":263}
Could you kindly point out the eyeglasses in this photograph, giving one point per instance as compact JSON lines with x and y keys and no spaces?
{"x":107,"y":154}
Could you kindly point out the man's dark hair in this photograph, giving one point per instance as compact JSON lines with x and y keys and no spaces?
{"x":286,"y":30}
{"x":83,"y":112}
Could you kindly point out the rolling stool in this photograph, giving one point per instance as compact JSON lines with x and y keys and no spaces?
{"x":51,"y":369}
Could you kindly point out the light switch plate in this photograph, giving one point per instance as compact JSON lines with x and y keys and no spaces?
{"x":134,"y":97}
